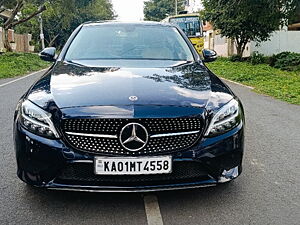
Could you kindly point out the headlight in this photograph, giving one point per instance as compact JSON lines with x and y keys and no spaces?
{"x":37,"y":121}
{"x":227,"y":118}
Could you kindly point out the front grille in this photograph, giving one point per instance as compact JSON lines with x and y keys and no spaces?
{"x":83,"y":174}
{"x":79,"y":134}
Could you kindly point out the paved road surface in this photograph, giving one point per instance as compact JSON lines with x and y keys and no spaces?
{"x":268,"y":192}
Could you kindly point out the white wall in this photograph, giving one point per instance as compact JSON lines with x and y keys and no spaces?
{"x":281,"y":41}
{"x":221,"y":45}
{"x":1,"y":40}
{"x":224,"y":47}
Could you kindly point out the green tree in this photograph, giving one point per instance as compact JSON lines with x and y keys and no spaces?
{"x":63,"y":16}
{"x":15,"y":18}
{"x":295,"y":15}
{"x":247,"y":20}
{"x":157,"y":10}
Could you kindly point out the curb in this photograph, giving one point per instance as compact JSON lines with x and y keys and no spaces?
{"x":238,"y":83}
{"x":21,"y":78}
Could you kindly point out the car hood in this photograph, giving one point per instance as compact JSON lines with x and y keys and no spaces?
{"x":70,"y":85}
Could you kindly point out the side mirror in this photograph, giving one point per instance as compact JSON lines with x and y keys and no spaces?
{"x":48,"y":54}
{"x":209,"y":55}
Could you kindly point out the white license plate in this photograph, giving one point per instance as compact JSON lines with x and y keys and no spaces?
{"x":133,"y":165}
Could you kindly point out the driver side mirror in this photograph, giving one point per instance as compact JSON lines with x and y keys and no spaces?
{"x":48,"y":54}
{"x":209,"y":55}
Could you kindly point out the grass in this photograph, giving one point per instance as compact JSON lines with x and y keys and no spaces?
{"x":15,"y":64}
{"x":265,"y":79}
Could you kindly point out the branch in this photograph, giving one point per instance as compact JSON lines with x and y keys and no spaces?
{"x":41,"y":9}
{"x":17,"y":8}
{"x":53,"y":40}
{"x":1,"y":3}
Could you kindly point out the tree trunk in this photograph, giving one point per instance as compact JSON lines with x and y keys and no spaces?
{"x":11,"y":21}
{"x":6,"y":43}
{"x":240,"y":47}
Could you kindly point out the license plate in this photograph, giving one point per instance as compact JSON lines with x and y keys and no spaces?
{"x":133,"y":165}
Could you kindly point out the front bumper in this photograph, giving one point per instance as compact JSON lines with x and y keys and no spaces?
{"x":41,"y":162}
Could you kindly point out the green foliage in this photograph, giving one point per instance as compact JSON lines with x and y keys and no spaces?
{"x":286,"y":61}
{"x":157,"y":10}
{"x":257,"y":58}
{"x":63,"y":16}
{"x":265,"y":79}
{"x":14,"y":64}
{"x":17,"y":16}
{"x":247,"y":20}
{"x":31,"y":25}
{"x":295,"y":15}
{"x":8,"y":3}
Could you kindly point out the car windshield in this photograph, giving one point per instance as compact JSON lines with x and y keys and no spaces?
{"x":189,"y":25}
{"x":129,"y":42}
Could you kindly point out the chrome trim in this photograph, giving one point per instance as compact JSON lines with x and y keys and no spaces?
{"x":94,"y":135}
{"x":82,"y":161}
{"x":133,"y":137}
{"x":115,"y":136}
{"x":174,"y":134}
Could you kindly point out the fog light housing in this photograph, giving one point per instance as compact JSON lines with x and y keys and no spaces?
{"x":228,"y":175}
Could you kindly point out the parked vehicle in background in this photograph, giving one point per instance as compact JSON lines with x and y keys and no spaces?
{"x":191,"y":25}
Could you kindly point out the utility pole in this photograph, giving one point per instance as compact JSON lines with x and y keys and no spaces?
{"x":176,"y":10}
{"x":41,"y":31}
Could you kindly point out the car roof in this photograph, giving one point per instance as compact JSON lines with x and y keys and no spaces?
{"x":145,"y":23}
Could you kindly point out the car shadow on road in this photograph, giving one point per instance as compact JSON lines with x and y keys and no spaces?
{"x":103,"y":197}
{"x":89,"y":205}
{"x":71,"y":196}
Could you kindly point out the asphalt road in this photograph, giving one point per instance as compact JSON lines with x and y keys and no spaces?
{"x":268,"y":191}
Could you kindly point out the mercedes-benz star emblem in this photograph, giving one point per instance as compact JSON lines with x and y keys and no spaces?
{"x":133,"y":137}
{"x":133,"y":98}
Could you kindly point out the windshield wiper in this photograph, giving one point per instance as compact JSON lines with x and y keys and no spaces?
{"x":74,"y":63}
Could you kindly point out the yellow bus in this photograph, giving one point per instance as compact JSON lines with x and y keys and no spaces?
{"x":191,"y":25}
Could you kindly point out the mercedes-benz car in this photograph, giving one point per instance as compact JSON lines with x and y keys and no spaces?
{"x":128,"y":107}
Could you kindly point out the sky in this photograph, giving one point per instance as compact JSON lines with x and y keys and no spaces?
{"x":129,"y":10}
{"x":132,"y":10}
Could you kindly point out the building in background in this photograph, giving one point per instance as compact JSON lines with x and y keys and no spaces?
{"x":283,"y":40}
{"x":193,"y":6}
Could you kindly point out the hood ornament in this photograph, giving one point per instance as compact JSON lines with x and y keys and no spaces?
{"x":133,"y":98}
{"x":133,"y":137}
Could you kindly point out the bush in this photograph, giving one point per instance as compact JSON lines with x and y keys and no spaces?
{"x":235,"y":58}
{"x":257,"y":58}
{"x":286,"y":61}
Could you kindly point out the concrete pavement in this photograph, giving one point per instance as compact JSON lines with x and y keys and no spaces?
{"x":268,"y":191}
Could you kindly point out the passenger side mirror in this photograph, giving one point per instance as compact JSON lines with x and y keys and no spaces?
{"x":48,"y":54}
{"x":209,"y":55}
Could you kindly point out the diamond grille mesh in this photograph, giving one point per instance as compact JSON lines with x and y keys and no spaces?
{"x":114,"y":126}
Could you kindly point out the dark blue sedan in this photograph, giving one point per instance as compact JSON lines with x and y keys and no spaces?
{"x":128,"y":107}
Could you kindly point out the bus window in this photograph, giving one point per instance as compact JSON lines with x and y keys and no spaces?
{"x":190,"y":25}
